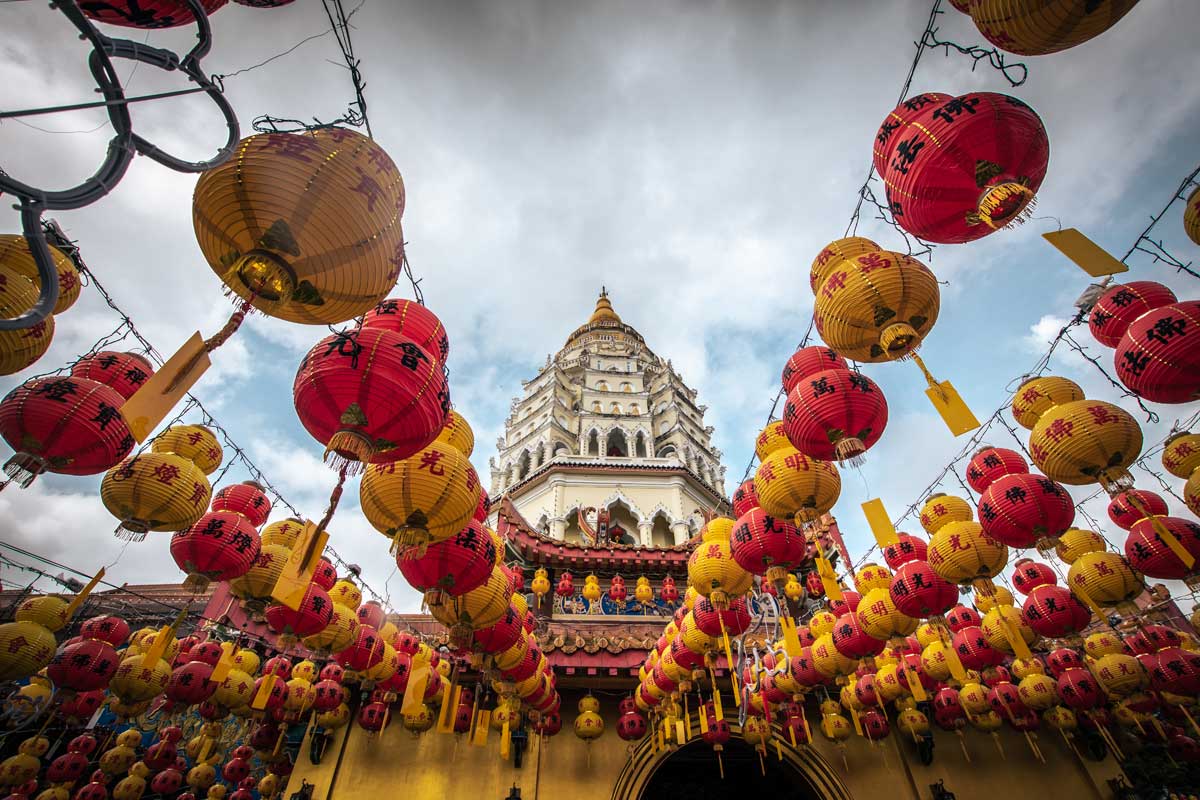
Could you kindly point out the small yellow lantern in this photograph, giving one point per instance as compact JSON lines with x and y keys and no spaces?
{"x":790,"y":484}
{"x":541,"y":582}
{"x":942,"y":509}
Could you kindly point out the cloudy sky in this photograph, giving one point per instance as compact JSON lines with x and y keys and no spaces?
{"x":691,"y":156}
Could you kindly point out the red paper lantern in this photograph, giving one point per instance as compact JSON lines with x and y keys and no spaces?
{"x":835,"y":414}
{"x":917,"y":591}
{"x":149,"y":14}
{"x":414,"y":321}
{"x":852,"y":641}
{"x":1078,"y":689}
{"x":1123,"y":303}
{"x":1062,"y":659}
{"x":481,"y":511}
{"x":1053,"y":611}
{"x":221,"y":546}
{"x":277,"y":695}
{"x":898,"y":118}
{"x":1176,"y":670}
{"x":565,"y":587}
{"x":961,"y":617}
{"x":669,"y":593}
{"x":1028,"y":575}
{"x":246,"y":498}
{"x":848,"y":603}
{"x":766,"y":545}
{"x":917,"y":668}
{"x":736,"y":617}
{"x":371,"y":613}
{"x":616,"y":589}
{"x":1124,"y":513}
{"x":906,"y":548}
{"x":990,"y":463}
{"x":69,"y":426}
{"x":454,"y":566}
{"x":973,"y":649}
{"x":809,"y":361}
{"x":1021,"y":510}
{"x":875,"y":725}
{"x":107,"y":628}
{"x":83,"y":665}
{"x":366,"y":652}
{"x":1150,"y":555}
{"x":191,"y":684}
{"x":124,"y":372}
{"x":371,"y":717}
{"x":325,"y":575}
{"x":313,"y":615}
{"x":1157,"y":637}
{"x":548,"y":724}
{"x":500,"y":635}
{"x":813,"y":584}
{"x":962,"y":169}
{"x":67,"y":768}
{"x":1158,"y":357}
{"x":744,"y":498}
{"x":371,"y":396}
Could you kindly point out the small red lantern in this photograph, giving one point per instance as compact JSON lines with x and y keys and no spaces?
{"x":246,"y":498}
{"x":414,"y":321}
{"x":973,"y":649}
{"x":874,"y":724}
{"x":1062,"y":659}
{"x":631,"y":726}
{"x":221,"y":546}
{"x":744,"y":498}
{"x":1123,"y":303}
{"x":1029,"y":574}
{"x":809,"y":361}
{"x":990,"y":463}
{"x":548,"y":724}
{"x":917,"y":591}
{"x":1123,"y":508}
{"x":962,"y":169}
{"x":501,"y":635}
{"x":83,"y":665}
{"x":148,"y":14}
{"x":709,"y":619}
{"x":566,"y":586}
{"x":852,"y":641}
{"x":371,"y":717}
{"x":616,"y":590}
{"x":454,"y":566}
{"x":366,"y":652}
{"x":669,"y":593}
{"x":371,"y":396}
{"x":1176,"y":670}
{"x":1022,"y":510}
{"x":69,"y":426}
{"x":835,"y":414}
{"x":906,"y":548}
{"x":1078,"y":689}
{"x":1149,"y":554}
{"x":107,"y":628}
{"x":190,"y":684}
{"x":124,"y":372}
{"x":961,"y":617}
{"x":766,"y":545}
{"x":1158,"y":357}
{"x":848,"y":603}
{"x":313,"y":615}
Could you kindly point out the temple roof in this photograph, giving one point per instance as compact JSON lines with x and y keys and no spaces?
{"x":604,"y":310}
{"x":604,"y":317}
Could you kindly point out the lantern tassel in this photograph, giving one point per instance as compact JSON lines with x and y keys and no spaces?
{"x":130,"y":534}
{"x":850,"y":451}
{"x":196,"y":583}
{"x":720,"y":763}
{"x":23,"y":468}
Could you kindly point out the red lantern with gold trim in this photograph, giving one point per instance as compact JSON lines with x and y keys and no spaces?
{"x":1158,"y":357}
{"x":246,"y":498}
{"x":1053,"y":611}
{"x":313,"y":615}
{"x":961,"y":169}
{"x":744,"y":498}
{"x":124,"y":372}
{"x":709,"y":618}
{"x":897,"y":120}
{"x":414,"y":321}
{"x":973,"y":649}
{"x":990,"y":463}
{"x":809,"y":361}
{"x":919,"y":592}
{"x":1023,"y":510}
{"x":767,"y":545}
{"x":221,"y":546}
{"x":835,"y":414}
{"x":1123,"y":510}
{"x":906,"y":548}
{"x":1123,"y":303}
{"x":1029,"y":574}
{"x":454,"y":566}
{"x":1150,"y":555}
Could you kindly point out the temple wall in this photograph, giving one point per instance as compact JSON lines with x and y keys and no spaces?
{"x":395,"y":764}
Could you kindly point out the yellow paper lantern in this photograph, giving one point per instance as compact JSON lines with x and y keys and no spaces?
{"x":304,"y":226}
{"x":194,"y":442}
{"x":418,"y":722}
{"x":16,"y":257}
{"x":913,"y":723}
{"x":155,"y":492}
{"x":457,"y":433}
{"x":1077,"y":541}
{"x":1039,"y":692}
{"x":269,"y":785}
{"x":872,"y":576}
{"x":821,"y":623}
{"x":933,"y":659}
{"x":880,"y":619}
{"x":589,"y":725}
{"x":833,"y":254}
{"x":876,"y":306}
{"x":960,"y":552}
{"x":1036,"y":27}
{"x":828,"y":661}
{"x":1105,"y":577}
{"x":427,"y":497}
{"x":770,"y":439}
{"x":643,"y":593}
{"x":942,"y":509}
{"x":1120,"y":674}
{"x":974,"y":698}
{"x":22,"y":347}
{"x":201,"y":776}
{"x":255,"y":587}
{"x":1024,"y":667}
{"x":338,"y":717}
{"x":790,"y":484}
{"x":136,"y":681}
{"x":887,"y":682}
{"x":346,"y":593}
{"x":339,"y":634}
{"x":25,"y":648}
{"x":478,"y":608}
{"x":284,"y":532}
{"x":1060,"y":718}
{"x":591,"y":589}
{"x":927,"y":634}
{"x":793,"y":589}
{"x":1102,"y":643}
{"x":712,"y":572}
{"x":247,"y":660}
{"x":995,"y":632}
{"x":47,"y":610}
{"x":988,"y":721}
{"x":541,"y":583}
{"x":694,"y":639}
{"x":1036,"y":396}
{"x":1191,"y":216}
{"x":835,"y":727}
{"x":235,"y":691}
{"x":1087,"y":441}
{"x":995,"y":596}
{"x":305,"y":670}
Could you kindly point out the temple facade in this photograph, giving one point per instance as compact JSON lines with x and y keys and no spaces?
{"x":608,"y":444}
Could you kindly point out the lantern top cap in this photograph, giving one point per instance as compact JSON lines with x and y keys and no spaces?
{"x":604,"y":310}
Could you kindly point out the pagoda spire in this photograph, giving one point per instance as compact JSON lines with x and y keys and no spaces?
{"x":604,"y":310}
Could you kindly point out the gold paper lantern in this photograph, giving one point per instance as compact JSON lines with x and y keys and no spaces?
{"x":995,"y":632}
{"x":1191,"y":216}
{"x":993,"y":597}
{"x":416,"y":723}
{"x":194,"y":442}
{"x":790,"y":484}
{"x":1060,"y":718}
{"x":1077,"y":541}
{"x":346,"y":593}
{"x":47,"y":610}
{"x":284,"y":533}
{"x":988,"y":721}
{"x":821,"y":623}
{"x":1105,"y":577}
{"x":876,"y":306}
{"x":306,"y":226}
{"x":833,"y":254}
{"x":835,"y":727}
{"x":247,"y":660}
{"x":1120,"y":674}
{"x":541,"y":583}
{"x":478,"y":608}
{"x":427,"y":497}
{"x":942,"y":509}
{"x":973,"y":698}
{"x":933,"y":659}
{"x":16,"y":257}
{"x":770,"y":439}
{"x":1087,"y":441}
{"x":887,"y":682}
{"x":712,"y":572}
{"x":136,"y":681}
{"x":694,"y":639}
{"x":1038,"y":27}
{"x":20,"y":348}
{"x":1102,"y":643}
{"x":1036,"y":396}
{"x":872,"y":576}
{"x":512,"y":656}
{"x":880,"y":619}
{"x":235,"y":691}
{"x":155,"y":492}
{"x":339,"y":634}
{"x":960,"y":552}
{"x":25,"y":648}
{"x":254,"y":588}
{"x":927,"y":634}
{"x":1024,"y":667}
{"x":828,"y":661}
{"x":457,"y":433}
{"x":1181,"y":457}
{"x":913,"y":723}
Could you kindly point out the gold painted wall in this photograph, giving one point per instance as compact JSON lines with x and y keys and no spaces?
{"x":395,"y":765}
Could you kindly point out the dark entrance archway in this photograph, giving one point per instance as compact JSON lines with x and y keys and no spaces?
{"x":692,"y":772}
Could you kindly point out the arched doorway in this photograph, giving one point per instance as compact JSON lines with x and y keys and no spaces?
{"x":692,"y":772}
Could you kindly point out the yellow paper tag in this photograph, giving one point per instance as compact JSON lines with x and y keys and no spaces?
{"x":679,"y":737}
{"x":482,"y":723}
{"x":505,"y":740}
{"x":954,"y":412}
{"x":154,"y":400}
{"x":1087,"y":255}
{"x":205,"y":749}
{"x":264,"y":692}
{"x":418,"y":680}
{"x":450,"y":701}
{"x":299,"y":568}
{"x":791,"y":639}
{"x":687,"y":726}
{"x":157,"y":647}
{"x":703,"y":721}
{"x":78,"y":599}
{"x":829,"y":580}
{"x":1082,"y":594}
{"x":881,"y":524}
{"x":1015,"y":640}
{"x":914,"y":683}
{"x":858,"y":728}
{"x":779,"y":748}
{"x":792,"y":735}
{"x":807,"y":730}
{"x":952,"y":660}
{"x":718,"y":709}
{"x":1170,"y":541}
{"x":221,"y":670}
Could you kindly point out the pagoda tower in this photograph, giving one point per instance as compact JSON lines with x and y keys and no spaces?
{"x":607,"y":444}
